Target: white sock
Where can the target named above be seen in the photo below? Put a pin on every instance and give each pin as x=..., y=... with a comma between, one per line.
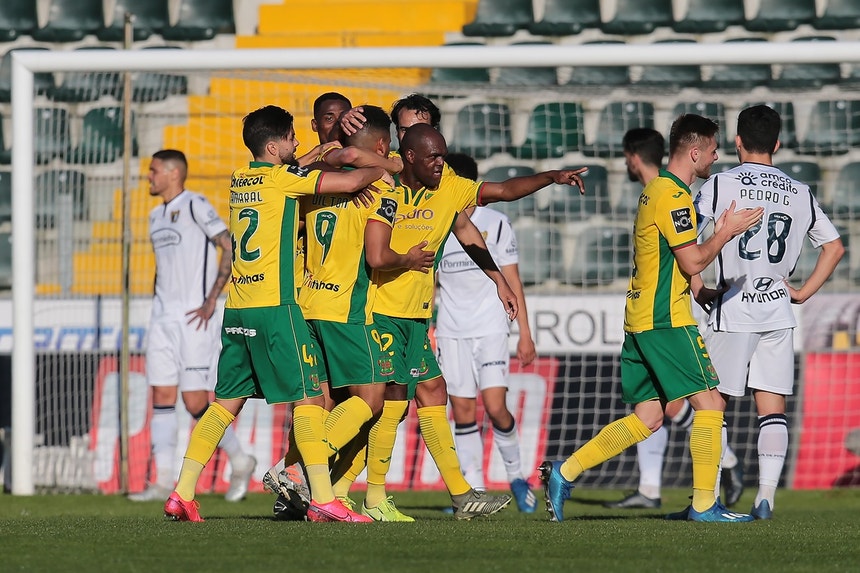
x=684, y=417
x=508, y=444
x=470, y=451
x=230, y=443
x=772, y=446
x=649, y=455
x=724, y=444
x=163, y=431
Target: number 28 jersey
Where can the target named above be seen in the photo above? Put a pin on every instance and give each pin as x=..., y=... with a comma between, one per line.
x=264, y=216
x=755, y=264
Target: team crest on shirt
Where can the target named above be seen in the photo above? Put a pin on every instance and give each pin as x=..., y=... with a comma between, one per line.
x=682, y=219
x=174, y=216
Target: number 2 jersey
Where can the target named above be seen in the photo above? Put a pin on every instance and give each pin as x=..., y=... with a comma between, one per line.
x=264, y=216
x=755, y=264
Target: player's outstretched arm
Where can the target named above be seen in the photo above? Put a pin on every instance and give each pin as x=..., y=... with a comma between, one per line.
x=356, y=157
x=314, y=154
x=830, y=255
x=694, y=258
x=380, y=255
x=475, y=246
x=525, y=344
x=518, y=187
x=349, y=181
x=225, y=267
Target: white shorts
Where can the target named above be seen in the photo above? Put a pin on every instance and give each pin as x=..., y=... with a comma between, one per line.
x=472, y=364
x=177, y=354
x=770, y=356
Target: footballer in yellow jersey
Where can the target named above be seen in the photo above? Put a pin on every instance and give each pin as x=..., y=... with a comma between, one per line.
x=659, y=293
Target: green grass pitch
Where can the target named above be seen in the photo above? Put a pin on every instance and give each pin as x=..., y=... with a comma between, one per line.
x=811, y=531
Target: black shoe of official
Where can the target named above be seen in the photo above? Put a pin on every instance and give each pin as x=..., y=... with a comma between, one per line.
x=732, y=480
x=635, y=501
x=290, y=507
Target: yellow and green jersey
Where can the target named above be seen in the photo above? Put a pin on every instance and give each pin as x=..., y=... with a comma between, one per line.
x=659, y=293
x=264, y=216
x=422, y=215
x=337, y=285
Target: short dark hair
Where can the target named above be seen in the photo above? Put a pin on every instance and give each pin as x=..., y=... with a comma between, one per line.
x=173, y=155
x=416, y=102
x=269, y=123
x=329, y=96
x=463, y=165
x=758, y=128
x=377, y=123
x=689, y=129
x=647, y=143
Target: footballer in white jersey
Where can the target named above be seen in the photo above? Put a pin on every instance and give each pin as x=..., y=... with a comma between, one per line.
x=186, y=260
x=468, y=305
x=762, y=258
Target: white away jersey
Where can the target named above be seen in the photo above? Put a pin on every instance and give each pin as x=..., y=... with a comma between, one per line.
x=186, y=261
x=469, y=306
x=755, y=263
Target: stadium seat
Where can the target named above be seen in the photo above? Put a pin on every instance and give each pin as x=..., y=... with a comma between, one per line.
x=102, y=139
x=17, y=18
x=788, y=133
x=150, y=16
x=460, y=77
x=712, y=110
x=839, y=15
x=482, y=129
x=43, y=82
x=834, y=128
x=52, y=135
x=540, y=252
x=615, y=119
x=599, y=76
x=627, y=204
x=807, y=172
x=201, y=20
x=499, y=18
x=87, y=86
x=567, y=17
x=156, y=86
x=5, y=259
x=5, y=153
x=70, y=21
x=566, y=203
x=671, y=77
x=51, y=184
x=524, y=207
x=781, y=15
x=704, y=16
x=545, y=76
x=739, y=76
x=602, y=254
x=810, y=76
x=554, y=129
x=845, y=203
x=638, y=17
x=5, y=196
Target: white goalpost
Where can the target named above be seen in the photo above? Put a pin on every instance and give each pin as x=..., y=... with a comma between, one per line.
x=561, y=333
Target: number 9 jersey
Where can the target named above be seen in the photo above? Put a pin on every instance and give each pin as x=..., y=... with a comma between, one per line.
x=264, y=216
x=756, y=263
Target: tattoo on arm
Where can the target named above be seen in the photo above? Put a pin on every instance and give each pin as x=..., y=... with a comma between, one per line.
x=225, y=265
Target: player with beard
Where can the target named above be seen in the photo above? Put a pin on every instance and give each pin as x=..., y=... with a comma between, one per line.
x=266, y=350
x=663, y=357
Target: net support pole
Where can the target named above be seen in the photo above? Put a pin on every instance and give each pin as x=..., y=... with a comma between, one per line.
x=23, y=283
x=124, y=357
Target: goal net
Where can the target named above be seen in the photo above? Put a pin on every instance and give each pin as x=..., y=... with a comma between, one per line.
x=515, y=118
